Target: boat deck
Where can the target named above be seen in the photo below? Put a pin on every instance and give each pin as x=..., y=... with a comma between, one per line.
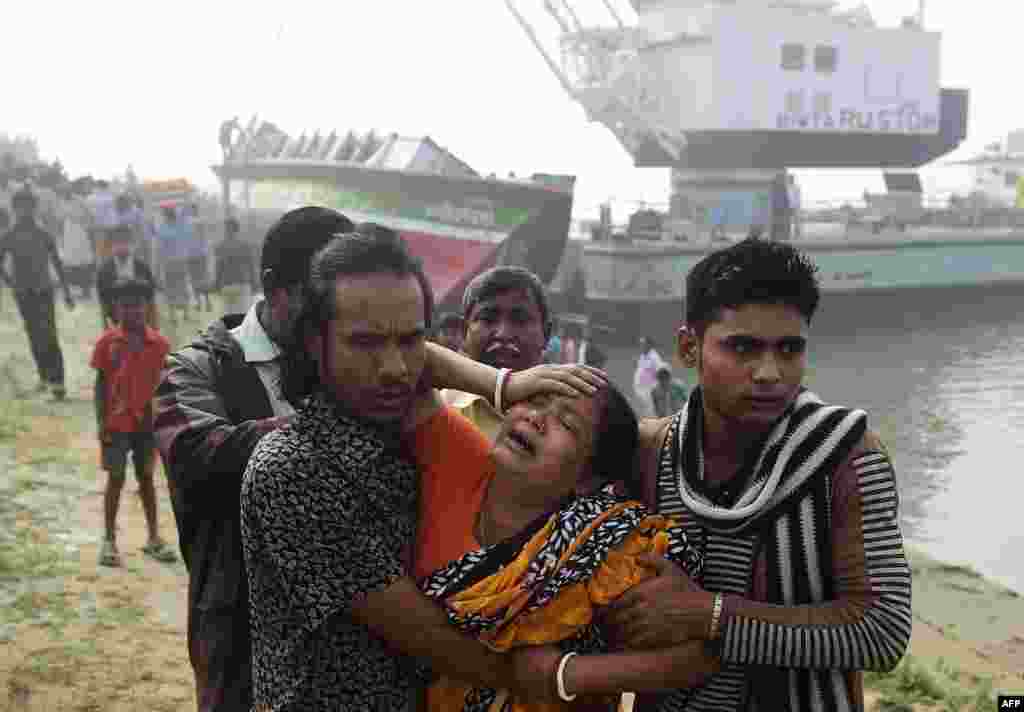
x=821, y=237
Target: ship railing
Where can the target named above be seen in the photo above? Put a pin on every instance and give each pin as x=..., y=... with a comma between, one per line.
x=836, y=218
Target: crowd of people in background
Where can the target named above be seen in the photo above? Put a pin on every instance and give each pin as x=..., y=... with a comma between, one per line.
x=382, y=509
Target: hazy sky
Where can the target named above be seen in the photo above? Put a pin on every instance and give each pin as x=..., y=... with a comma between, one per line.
x=106, y=84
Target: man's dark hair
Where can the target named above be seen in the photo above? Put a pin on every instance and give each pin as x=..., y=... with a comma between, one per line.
x=753, y=271
x=368, y=249
x=499, y=280
x=616, y=438
x=292, y=241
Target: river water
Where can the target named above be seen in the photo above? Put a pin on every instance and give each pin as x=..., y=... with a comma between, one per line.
x=941, y=375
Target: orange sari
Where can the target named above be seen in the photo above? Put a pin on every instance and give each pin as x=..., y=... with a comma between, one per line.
x=544, y=586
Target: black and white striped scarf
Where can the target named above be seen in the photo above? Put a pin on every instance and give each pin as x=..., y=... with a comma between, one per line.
x=781, y=500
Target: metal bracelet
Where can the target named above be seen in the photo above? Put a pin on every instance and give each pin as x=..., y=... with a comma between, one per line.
x=716, y=618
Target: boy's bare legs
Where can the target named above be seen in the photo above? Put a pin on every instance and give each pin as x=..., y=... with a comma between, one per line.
x=109, y=555
x=145, y=467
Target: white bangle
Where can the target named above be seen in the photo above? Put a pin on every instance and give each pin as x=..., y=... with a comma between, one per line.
x=499, y=389
x=560, y=679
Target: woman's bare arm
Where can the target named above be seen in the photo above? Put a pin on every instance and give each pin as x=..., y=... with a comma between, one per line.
x=449, y=369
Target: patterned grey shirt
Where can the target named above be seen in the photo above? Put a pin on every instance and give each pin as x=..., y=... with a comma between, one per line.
x=328, y=516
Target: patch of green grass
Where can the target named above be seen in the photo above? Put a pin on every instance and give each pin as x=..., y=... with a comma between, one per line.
x=942, y=686
x=36, y=608
x=25, y=484
x=11, y=426
x=23, y=557
x=45, y=456
x=120, y=616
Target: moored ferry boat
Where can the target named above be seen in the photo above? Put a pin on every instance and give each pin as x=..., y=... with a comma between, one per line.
x=457, y=221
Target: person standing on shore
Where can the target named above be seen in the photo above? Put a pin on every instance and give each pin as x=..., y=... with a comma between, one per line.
x=128, y=358
x=506, y=326
x=34, y=251
x=217, y=398
x=198, y=260
x=236, y=270
x=122, y=265
x=587, y=352
x=100, y=204
x=75, y=249
x=805, y=582
x=645, y=377
x=174, y=237
x=669, y=396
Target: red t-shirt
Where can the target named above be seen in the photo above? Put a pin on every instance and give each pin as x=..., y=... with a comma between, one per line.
x=131, y=377
x=454, y=460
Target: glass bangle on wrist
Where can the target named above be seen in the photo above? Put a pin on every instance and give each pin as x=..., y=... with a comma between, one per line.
x=560, y=679
x=499, y=389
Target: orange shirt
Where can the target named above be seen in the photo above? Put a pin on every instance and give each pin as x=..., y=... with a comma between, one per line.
x=131, y=377
x=454, y=460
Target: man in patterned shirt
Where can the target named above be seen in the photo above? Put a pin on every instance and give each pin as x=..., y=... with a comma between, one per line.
x=805, y=580
x=329, y=505
x=218, y=397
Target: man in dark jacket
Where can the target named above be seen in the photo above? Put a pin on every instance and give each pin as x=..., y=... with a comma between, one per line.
x=34, y=252
x=218, y=397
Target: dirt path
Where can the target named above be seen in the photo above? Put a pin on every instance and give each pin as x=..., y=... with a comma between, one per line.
x=116, y=640
x=74, y=635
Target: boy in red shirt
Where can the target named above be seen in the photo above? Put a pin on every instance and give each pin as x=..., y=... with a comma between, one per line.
x=128, y=359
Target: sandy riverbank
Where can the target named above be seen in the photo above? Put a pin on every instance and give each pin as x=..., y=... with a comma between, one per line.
x=76, y=636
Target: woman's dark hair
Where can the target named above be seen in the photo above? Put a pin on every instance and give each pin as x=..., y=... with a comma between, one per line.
x=369, y=249
x=616, y=437
x=754, y=271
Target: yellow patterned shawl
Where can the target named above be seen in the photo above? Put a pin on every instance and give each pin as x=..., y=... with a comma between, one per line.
x=543, y=587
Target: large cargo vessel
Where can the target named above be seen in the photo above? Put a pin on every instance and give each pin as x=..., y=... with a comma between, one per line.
x=457, y=221
x=731, y=96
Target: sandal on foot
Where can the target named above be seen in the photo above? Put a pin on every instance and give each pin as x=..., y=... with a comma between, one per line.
x=160, y=552
x=108, y=554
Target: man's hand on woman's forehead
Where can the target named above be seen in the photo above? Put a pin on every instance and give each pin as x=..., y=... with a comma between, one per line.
x=558, y=379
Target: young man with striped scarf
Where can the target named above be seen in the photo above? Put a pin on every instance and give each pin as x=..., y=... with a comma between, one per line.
x=793, y=501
